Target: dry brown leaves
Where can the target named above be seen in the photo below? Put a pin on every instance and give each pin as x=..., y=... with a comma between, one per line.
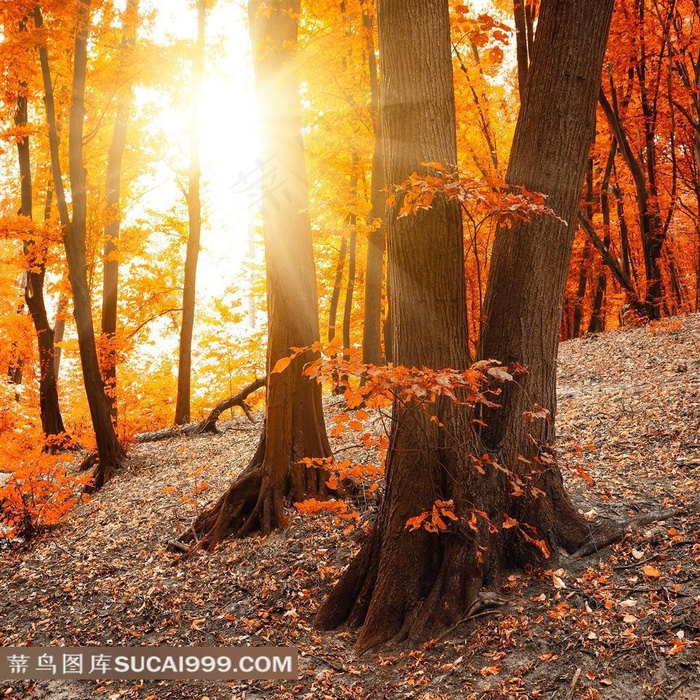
x=628, y=618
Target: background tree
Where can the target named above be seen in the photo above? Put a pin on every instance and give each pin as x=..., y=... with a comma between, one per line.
x=110, y=281
x=194, y=211
x=35, y=247
x=294, y=425
x=409, y=584
x=109, y=452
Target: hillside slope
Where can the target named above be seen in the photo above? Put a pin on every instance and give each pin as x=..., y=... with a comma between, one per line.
x=627, y=617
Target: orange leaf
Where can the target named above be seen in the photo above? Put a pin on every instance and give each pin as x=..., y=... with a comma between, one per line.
x=508, y=522
x=281, y=365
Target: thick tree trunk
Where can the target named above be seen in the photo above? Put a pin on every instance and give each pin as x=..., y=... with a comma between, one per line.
x=194, y=209
x=294, y=427
x=409, y=584
x=395, y=569
x=110, y=452
x=527, y=278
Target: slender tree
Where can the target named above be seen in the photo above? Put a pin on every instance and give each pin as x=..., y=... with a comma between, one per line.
x=194, y=212
x=110, y=283
x=409, y=584
x=109, y=452
x=376, y=240
x=294, y=426
x=51, y=420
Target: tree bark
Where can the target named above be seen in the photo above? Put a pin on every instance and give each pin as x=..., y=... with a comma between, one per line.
x=194, y=209
x=51, y=419
x=586, y=261
x=428, y=317
x=337, y=284
x=110, y=453
x=653, y=236
x=110, y=286
x=294, y=427
x=410, y=584
x=597, y=323
x=376, y=240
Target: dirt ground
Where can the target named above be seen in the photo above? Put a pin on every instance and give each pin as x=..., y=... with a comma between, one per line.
x=619, y=625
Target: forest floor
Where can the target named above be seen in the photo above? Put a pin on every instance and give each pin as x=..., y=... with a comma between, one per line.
x=621, y=624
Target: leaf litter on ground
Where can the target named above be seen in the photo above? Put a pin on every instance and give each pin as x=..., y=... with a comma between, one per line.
x=622, y=623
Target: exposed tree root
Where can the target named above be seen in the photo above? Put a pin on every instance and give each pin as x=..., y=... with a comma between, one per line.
x=208, y=425
x=254, y=502
x=611, y=531
x=414, y=585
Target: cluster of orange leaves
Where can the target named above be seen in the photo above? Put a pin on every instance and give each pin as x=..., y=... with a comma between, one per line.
x=377, y=387
x=38, y=490
x=480, y=199
x=433, y=520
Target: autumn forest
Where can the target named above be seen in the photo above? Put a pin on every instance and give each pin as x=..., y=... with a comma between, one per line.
x=405, y=291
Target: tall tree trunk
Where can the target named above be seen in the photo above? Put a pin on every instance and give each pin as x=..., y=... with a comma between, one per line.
x=410, y=584
x=294, y=426
x=427, y=299
x=376, y=240
x=350, y=289
x=59, y=329
x=597, y=323
x=51, y=420
x=587, y=259
x=653, y=236
x=337, y=284
x=110, y=285
x=109, y=451
x=194, y=210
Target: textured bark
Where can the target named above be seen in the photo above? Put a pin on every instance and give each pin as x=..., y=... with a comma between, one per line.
x=335, y=296
x=653, y=235
x=395, y=569
x=597, y=323
x=586, y=261
x=110, y=286
x=529, y=264
x=410, y=584
x=110, y=452
x=194, y=212
x=376, y=240
x=294, y=426
x=51, y=420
